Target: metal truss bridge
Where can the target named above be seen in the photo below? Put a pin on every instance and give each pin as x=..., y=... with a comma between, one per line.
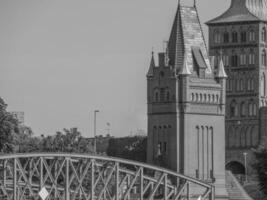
x=55, y=176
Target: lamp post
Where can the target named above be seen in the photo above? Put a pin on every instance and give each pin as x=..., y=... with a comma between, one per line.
x=245, y=160
x=96, y=111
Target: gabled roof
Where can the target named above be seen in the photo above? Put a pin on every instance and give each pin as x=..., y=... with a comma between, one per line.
x=243, y=10
x=186, y=33
x=197, y=54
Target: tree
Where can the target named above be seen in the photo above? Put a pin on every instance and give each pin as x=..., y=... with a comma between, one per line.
x=261, y=167
x=132, y=148
x=8, y=128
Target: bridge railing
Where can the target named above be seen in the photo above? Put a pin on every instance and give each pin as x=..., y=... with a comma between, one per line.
x=89, y=177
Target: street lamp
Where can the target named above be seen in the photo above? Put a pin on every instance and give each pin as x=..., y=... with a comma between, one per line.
x=96, y=111
x=246, y=172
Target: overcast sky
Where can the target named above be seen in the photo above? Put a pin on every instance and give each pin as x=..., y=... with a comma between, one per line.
x=62, y=59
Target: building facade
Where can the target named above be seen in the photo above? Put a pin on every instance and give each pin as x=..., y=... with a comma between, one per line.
x=186, y=105
x=239, y=37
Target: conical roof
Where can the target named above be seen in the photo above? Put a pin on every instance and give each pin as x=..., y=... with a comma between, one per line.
x=152, y=65
x=243, y=10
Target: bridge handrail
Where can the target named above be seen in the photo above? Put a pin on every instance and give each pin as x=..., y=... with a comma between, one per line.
x=110, y=159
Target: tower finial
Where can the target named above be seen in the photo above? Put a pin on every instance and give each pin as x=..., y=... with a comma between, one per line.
x=195, y=3
x=179, y=1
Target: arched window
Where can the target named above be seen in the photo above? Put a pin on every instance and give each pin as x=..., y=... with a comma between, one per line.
x=250, y=109
x=251, y=36
x=226, y=37
x=243, y=59
x=243, y=109
x=233, y=109
x=263, y=57
x=254, y=109
x=263, y=34
x=251, y=58
x=234, y=60
x=193, y=97
x=241, y=85
x=237, y=85
x=156, y=95
x=243, y=36
x=226, y=60
x=162, y=94
x=168, y=95
x=263, y=85
x=252, y=84
x=217, y=37
x=234, y=37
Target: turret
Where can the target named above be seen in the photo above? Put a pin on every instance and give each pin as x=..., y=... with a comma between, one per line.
x=221, y=78
x=150, y=72
x=184, y=76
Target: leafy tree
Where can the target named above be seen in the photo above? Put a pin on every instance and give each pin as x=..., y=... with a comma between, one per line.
x=8, y=128
x=70, y=140
x=261, y=167
x=132, y=148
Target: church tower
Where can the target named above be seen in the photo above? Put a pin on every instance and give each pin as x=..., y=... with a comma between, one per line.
x=186, y=105
x=239, y=36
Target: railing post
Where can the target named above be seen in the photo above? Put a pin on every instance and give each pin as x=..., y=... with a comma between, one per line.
x=41, y=172
x=92, y=180
x=5, y=168
x=117, y=181
x=141, y=183
x=212, y=193
x=67, y=192
x=188, y=191
x=165, y=187
x=15, y=179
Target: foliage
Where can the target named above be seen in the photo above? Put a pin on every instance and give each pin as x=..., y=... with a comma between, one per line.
x=8, y=129
x=261, y=167
x=70, y=140
x=133, y=148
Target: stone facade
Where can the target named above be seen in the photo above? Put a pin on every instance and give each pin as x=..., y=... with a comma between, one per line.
x=239, y=37
x=186, y=105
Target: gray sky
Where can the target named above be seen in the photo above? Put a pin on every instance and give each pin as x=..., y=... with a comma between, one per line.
x=61, y=59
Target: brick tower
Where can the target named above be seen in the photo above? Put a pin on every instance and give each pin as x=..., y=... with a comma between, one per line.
x=186, y=105
x=239, y=35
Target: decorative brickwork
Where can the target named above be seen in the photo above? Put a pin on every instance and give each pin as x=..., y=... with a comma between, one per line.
x=186, y=105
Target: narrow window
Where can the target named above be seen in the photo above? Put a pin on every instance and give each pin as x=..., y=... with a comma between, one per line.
x=234, y=37
x=263, y=85
x=251, y=36
x=243, y=109
x=162, y=94
x=263, y=34
x=263, y=57
x=226, y=37
x=243, y=36
x=156, y=96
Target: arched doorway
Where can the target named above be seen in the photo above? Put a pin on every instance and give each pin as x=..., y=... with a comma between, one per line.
x=236, y=168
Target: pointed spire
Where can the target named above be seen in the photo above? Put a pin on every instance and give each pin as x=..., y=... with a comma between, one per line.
x=185, y=70
x=195, y=3
x=152, y=65
x=221, y=71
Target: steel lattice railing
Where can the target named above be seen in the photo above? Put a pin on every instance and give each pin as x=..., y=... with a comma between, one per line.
x=88, y=177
